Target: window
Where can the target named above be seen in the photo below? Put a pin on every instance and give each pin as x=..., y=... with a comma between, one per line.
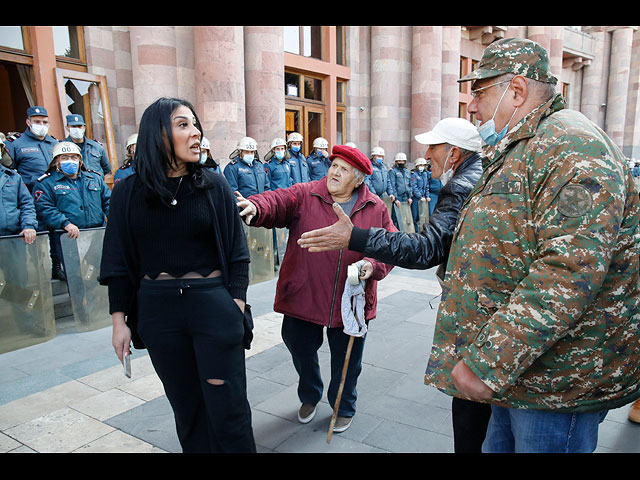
x=68, y=43
x=306, y=41
x=12, y=37
x=304, y=87
x=467, y=65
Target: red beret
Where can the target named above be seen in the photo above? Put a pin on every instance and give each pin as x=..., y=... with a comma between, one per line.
x=352, y=156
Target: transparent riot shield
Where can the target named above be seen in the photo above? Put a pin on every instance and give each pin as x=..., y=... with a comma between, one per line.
x=26, y=300
x=282, y=236
x=405, y=217
x=388, y=203
x=260, y=242
x=89, y=299
x=423, y=215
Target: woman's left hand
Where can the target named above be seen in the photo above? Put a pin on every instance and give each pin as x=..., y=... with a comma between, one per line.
x=240, y=304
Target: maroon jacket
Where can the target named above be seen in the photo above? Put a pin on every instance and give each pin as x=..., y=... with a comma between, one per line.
x=310, y=285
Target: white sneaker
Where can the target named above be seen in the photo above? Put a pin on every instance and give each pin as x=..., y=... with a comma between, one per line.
x=306, y=412
x=342, y=423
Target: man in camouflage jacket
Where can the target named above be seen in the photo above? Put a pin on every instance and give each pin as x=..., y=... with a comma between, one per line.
x=540, y=306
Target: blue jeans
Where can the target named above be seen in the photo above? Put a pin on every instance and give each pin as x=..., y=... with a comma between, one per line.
x=303, y=339
x=513, y=430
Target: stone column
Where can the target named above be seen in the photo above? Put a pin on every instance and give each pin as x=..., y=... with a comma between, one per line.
x=632, y=130
x=618, y=83
x=550, y=38
x=426, y=95
x=264, y=77
x=154, y=60
x=390, y=90
x=220, y=86
x=451, y=38
x=594, y=86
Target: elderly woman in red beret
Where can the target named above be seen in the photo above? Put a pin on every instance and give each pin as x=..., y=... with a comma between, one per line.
x=310, y=285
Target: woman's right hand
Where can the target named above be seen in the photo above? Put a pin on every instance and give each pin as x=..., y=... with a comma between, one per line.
x=121, y=336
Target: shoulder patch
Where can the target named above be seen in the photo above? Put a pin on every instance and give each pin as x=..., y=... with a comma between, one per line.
x=574, y=200
x=42, y=177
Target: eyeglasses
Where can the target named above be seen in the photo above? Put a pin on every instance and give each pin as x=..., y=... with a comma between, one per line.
x=474, y=93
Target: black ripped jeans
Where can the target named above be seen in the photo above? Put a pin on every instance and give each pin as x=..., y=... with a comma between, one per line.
x=193, y=331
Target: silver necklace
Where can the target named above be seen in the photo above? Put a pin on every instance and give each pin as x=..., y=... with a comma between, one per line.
x=173, y=200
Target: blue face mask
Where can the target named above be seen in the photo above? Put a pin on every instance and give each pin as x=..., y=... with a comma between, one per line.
x=379, y=160
x=295, y=149
x=487, y=130
x=279, y=155
x=70, y=167
x=248, y=159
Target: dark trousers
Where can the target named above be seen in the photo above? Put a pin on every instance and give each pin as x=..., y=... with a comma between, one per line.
x=193, y=331
x=470, y=421
x=303, y=339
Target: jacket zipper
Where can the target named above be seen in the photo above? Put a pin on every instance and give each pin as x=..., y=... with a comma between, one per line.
x=335, y=283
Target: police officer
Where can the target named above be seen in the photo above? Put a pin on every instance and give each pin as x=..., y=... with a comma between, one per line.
x=378, y=182
x=246, y=173
x=31, y=151
x=127, y=166
x=399, y=184
x=93, y=154
x=17, y=212
x=419, y=189
x=298, y=162
x=318, y=160
x=69, y=197
x=206, y=159
x=278, y=166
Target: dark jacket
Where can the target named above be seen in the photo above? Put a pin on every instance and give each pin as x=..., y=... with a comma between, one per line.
x=17, y=211
x=310, y=285
x=120, y=259
x=431, y=246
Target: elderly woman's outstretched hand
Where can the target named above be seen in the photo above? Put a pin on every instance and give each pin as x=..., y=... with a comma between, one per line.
x=249, y=210
x=333, y=237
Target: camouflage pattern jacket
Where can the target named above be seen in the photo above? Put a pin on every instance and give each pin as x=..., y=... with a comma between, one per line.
x=541, y=292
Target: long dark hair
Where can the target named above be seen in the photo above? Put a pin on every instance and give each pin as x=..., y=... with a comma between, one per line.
x=152, y=159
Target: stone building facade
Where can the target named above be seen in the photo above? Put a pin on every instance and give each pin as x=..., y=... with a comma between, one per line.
x=371, y=85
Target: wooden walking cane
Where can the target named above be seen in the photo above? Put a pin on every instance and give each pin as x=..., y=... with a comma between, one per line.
x=336, y=406
x=345, y=368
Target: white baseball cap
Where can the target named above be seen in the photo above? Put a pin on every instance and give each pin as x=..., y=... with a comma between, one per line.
x=454, y=131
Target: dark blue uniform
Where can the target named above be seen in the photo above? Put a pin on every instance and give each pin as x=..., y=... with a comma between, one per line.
x=247, y=179
x=400, y=183
x=31, y=156
x=434, y=188
x=279, y=173
x=318, y=166
x=299, y=167
x=60, y=200
x=17, y=211
x=378, y=181
x=419, y=190
x=123, y=172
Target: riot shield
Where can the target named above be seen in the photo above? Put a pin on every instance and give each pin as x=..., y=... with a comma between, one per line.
x=260, y=242
x=405, y=217
x=423, y=215
x=89, y=299
x=26, y=300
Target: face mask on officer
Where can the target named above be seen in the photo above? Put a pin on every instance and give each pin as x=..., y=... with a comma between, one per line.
x=421, y=168
x=247, y=158
x=279, y=154
x=77, y=133
x=69, y=167
x=295, y=148
x=378, y=160
x=39, y=130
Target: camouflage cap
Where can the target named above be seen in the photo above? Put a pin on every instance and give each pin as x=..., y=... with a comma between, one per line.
x=519, y=56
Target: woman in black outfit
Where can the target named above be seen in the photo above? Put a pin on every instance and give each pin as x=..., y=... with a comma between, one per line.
x=176, y=263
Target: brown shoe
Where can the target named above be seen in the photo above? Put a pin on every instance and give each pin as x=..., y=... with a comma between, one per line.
x=634, y=413
x=342, y=423
x=306, y=413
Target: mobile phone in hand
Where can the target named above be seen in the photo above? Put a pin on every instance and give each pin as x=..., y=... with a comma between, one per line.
x=127, y=365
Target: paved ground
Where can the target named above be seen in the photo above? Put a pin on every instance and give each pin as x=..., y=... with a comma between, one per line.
x=69, y=394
